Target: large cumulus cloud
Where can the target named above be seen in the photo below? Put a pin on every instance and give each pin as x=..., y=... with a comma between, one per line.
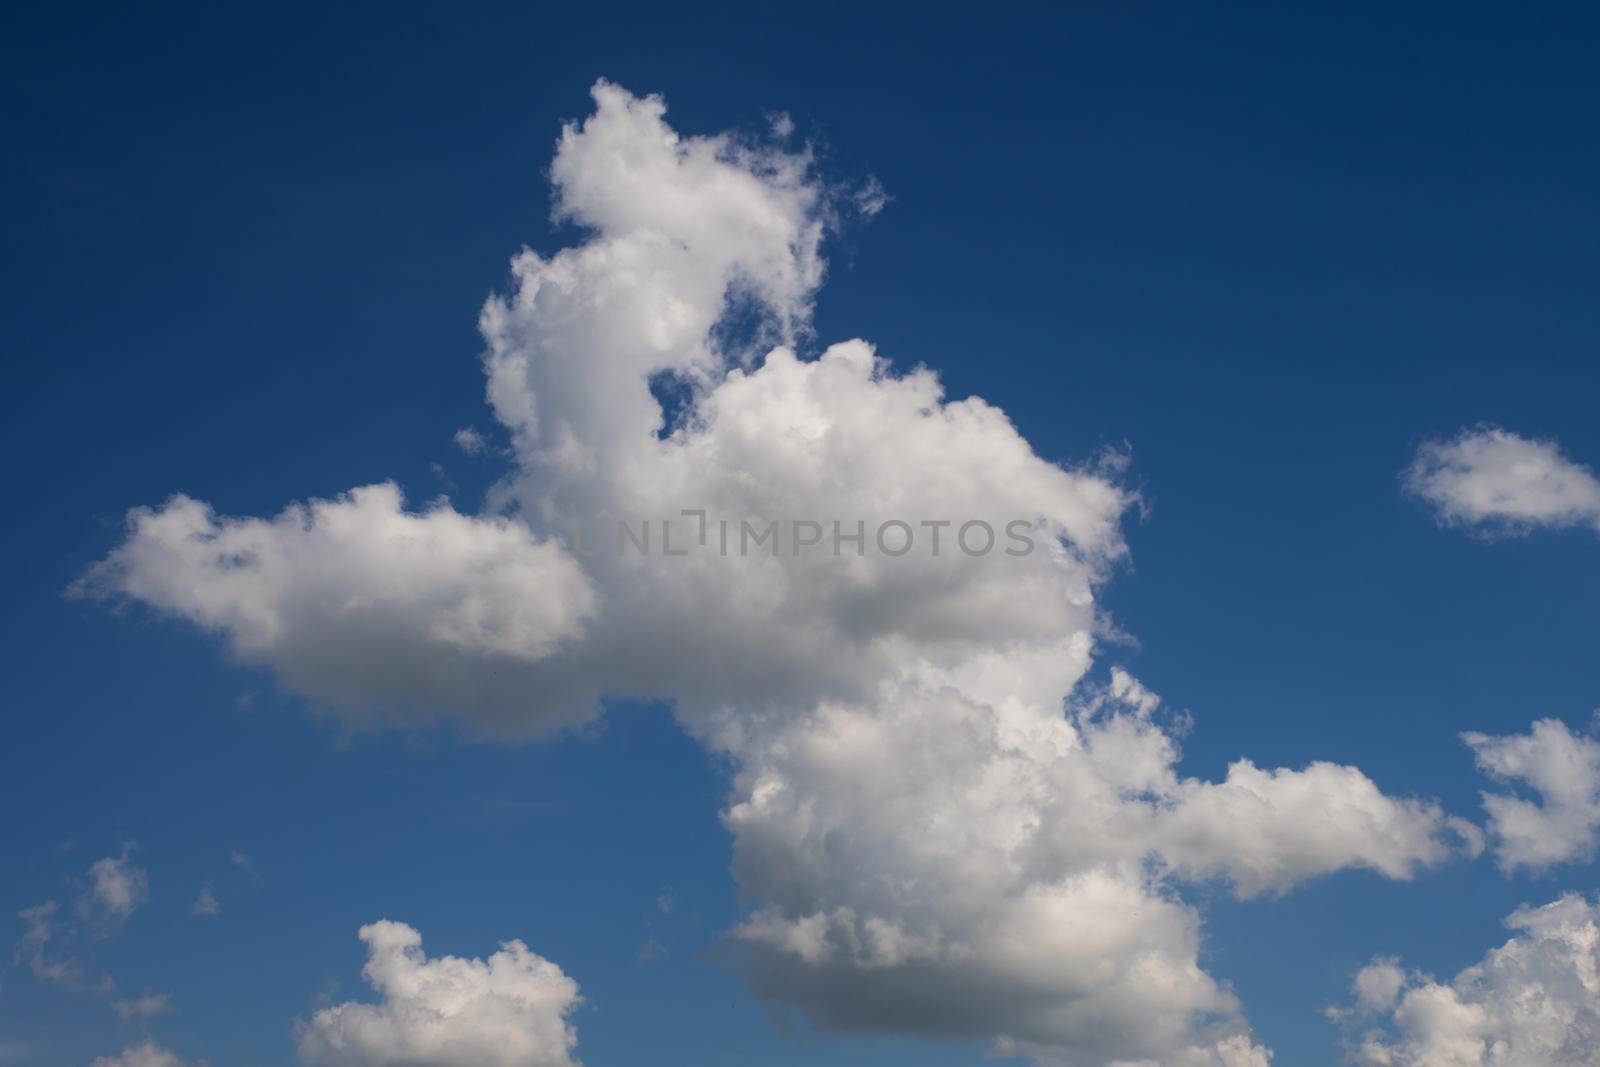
x=941, y=824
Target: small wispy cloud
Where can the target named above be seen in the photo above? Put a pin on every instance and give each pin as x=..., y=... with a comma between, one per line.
x=146, y=1006
x=470, y=441
x=40, y=949
x=147, y=1054
x=206, y=905
x=245, y=864
x=1497, y=483
x=117, y=889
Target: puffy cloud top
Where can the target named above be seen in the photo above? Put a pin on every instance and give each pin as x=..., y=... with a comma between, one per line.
x=510, y=1010
x=1532, y=1002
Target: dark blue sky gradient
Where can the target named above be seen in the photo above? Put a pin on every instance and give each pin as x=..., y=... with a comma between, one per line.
x=1267, y=251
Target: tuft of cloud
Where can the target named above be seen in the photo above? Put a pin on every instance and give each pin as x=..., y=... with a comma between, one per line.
x=510, y=1010
x=470, y=441
x=206, y=905
x=245, y=864
x=1563, y=769
x=870, y=198
x=39, y=930
x=41, y=949
x=1378, y=985
x=1532, y=1002
x=38, y=927
x=147, y=1054
x=1494, y=482
x=146, y=1006
x=117, y=888
x=780, y=125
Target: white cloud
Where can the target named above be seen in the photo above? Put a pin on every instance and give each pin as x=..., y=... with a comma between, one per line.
x=930, y=842
x=147, y=1054
x=470, y=441
x=38, y=927
x=380, y=611
x=43, y=948
x=940, y=865
x=1266, y=831
x=871, y=198
x=1532, y=1002
x=117, y=888
x=510, y=1010
x=1563, y=768
x=146, y=1006
x=1378, y=985
x=781, y=124
x=206, y=905
x=39, y=930
x=1494, y=481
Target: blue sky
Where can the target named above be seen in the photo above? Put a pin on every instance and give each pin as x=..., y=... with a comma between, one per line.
x=1268, y=255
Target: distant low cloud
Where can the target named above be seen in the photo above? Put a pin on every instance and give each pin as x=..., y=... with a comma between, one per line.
x=1495, y=482
x=145, y=1055
x=510, y=1010
x=1532, y=1002
x=1563, y=768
